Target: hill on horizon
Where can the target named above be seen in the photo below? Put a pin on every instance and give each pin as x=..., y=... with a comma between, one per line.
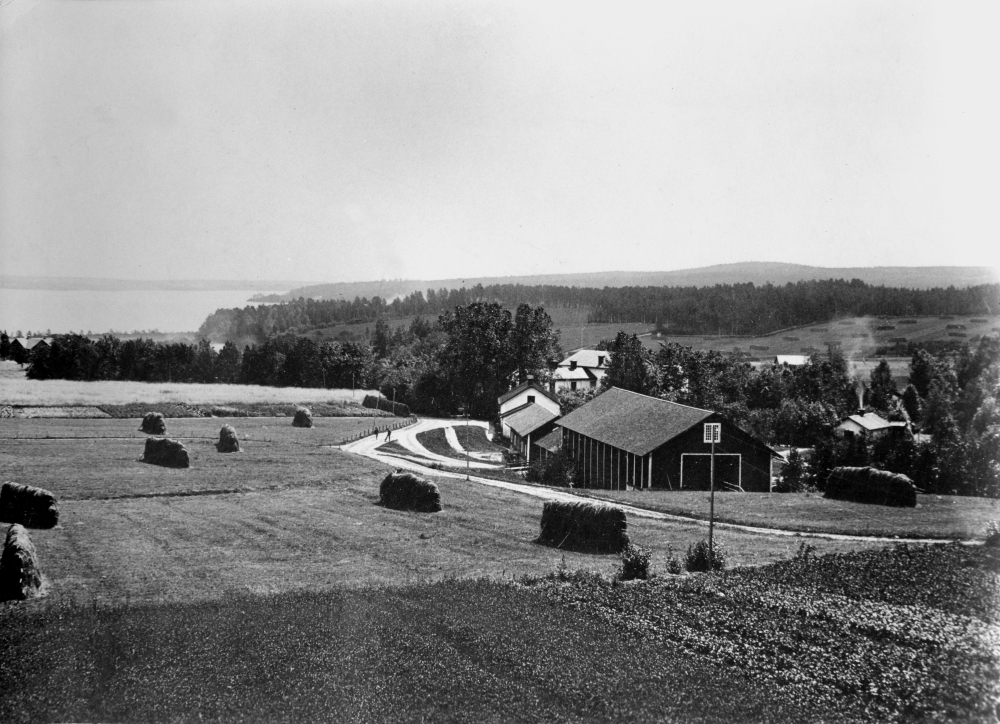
x=737, y=273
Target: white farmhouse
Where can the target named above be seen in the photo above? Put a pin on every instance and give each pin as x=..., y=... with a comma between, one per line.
x=523, y=396
x=582, y=370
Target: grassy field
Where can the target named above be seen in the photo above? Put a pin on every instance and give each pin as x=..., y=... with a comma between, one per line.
x=435, y=441
x=853, y=334
x=473, y=438
x=15, y=389
x=936, y=516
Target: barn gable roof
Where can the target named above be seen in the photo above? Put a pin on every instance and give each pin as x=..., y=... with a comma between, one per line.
x=552, y=441
x=632, y=422
x=526, y=421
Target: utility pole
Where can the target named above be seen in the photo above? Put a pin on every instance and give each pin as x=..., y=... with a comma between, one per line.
x=466, y=439
x=713, y=434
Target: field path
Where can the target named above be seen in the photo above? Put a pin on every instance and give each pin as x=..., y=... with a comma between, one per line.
x=407, y=437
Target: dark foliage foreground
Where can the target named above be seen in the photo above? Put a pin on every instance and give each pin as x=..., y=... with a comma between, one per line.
x=869, y=485
x=898, y=635
x=405, y=491
x=584, y=527
x=903, y=635
x=29, y=506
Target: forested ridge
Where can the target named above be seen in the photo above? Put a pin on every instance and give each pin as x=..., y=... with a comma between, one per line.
x=735, y=309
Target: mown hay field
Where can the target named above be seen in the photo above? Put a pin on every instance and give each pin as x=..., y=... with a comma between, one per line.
x=936, y=516
x=285, y=514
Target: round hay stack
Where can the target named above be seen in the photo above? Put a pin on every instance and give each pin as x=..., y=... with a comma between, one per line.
x=165, y=452
x=405, y=491
x=153, y=424
x=303, y=418
x=228, y=442
x=28, y=506
x=20, y=576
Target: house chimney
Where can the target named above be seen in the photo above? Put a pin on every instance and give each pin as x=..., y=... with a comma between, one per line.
x=530, y=378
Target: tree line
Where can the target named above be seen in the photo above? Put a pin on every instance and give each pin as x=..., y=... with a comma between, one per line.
x=737, y=309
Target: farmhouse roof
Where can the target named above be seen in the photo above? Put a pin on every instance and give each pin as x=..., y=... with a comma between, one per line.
x=552, y=441
x=580, y=373
x=632, y=422
x=526, y=421
x=532, y=384
x=587, y=358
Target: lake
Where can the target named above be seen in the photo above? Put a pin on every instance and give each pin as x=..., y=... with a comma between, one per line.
x=102, y=311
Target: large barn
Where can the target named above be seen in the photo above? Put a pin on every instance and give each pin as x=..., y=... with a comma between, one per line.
x=624, y=439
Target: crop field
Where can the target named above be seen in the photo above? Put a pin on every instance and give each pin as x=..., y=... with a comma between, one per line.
x=855, y=335
x=936, y=516
x=15, y=389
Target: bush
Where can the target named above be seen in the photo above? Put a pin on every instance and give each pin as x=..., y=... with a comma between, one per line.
x=557, y=469
x=28, y=506
x=869, y=485
x=697, y=558
x=993, y=534
x=635, y=563
x=673, y=563
x=153, y=424
x=405, y=491
x=584, y=527
x=20, y=577
x=165, y=452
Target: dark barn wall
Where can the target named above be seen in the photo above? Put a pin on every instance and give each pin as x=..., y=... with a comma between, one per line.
x=755, y=458
x=605, y=466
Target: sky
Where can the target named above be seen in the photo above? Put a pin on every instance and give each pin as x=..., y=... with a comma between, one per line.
x=349, y=141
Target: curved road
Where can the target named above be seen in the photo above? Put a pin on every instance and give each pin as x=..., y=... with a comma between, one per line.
x=407, y=437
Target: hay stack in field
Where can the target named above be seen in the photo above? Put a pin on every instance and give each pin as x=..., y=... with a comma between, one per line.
x=405, y=491
x=153, y=424
x=28, y=506
x=870, y=485
x=20, y=576
x=166, y=452
x=584, y=527
x=228, y=442
x=303, y=418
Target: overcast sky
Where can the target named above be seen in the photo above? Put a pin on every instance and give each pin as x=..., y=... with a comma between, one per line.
x=365, y=140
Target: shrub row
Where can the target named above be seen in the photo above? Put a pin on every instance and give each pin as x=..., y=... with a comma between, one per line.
x=380, y=403
x=584, y=527
x=28, y=506
x=869, y=485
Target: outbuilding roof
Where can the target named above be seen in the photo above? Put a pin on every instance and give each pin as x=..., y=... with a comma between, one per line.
x=526, y=421
x=632, y=422
x=871, y=422
x=552, y=441
x=791, y=359
x=33, y=342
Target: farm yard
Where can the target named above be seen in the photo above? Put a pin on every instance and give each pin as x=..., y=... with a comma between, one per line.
x=270, y=585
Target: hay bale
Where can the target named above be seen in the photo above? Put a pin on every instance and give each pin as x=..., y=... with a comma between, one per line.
x=153, y=424
x=870, y=485
x=584, y=527
x=303, y=417
x=28, y=506
x=20, y=576
x=166, y=452
x=228, y=442
x=405, y=491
